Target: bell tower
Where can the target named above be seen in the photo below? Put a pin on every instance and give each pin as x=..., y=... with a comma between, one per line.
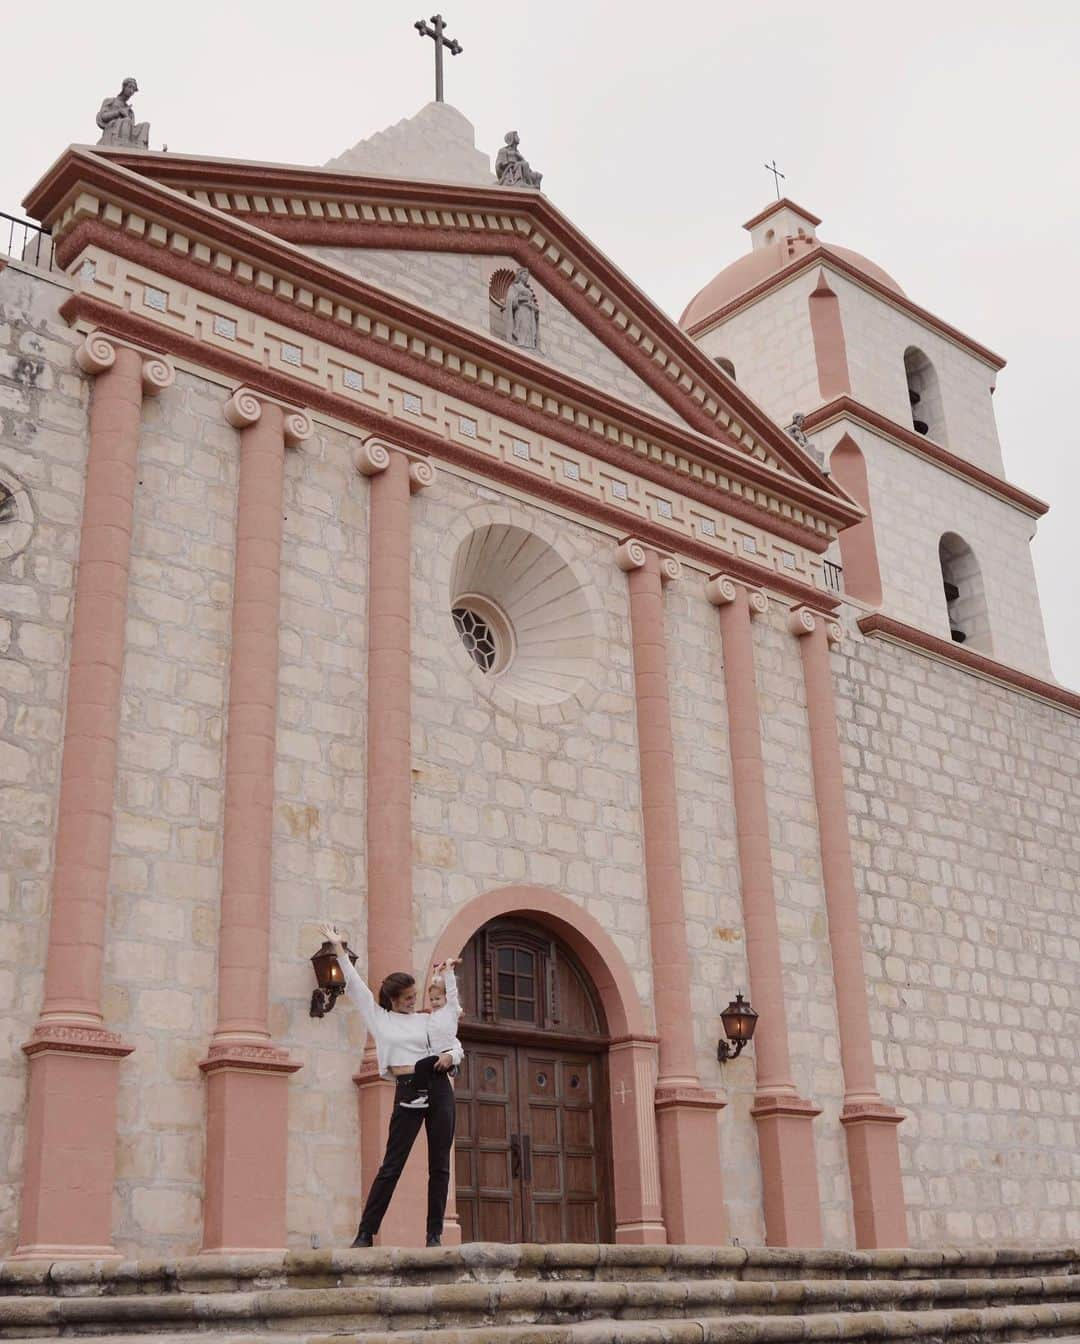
x=899, y=403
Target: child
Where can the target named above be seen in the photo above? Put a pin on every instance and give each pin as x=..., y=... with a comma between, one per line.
x=444, y=1010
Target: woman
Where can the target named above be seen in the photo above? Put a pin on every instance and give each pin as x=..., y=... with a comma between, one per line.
x=401, y=1040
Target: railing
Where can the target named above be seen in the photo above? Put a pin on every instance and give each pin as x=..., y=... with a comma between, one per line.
x=834, y=576
x=26, y=241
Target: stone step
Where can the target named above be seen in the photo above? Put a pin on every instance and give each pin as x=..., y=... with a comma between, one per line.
x=514, y=1304
x=480, y=1262
x=1032, y=1324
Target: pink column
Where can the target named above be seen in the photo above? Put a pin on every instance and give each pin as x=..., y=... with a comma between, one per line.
x=246, y=1075
x=877, y=1192
x=394, y=477
x=71, y=1112
x=784, y=1119
x=690, y=1177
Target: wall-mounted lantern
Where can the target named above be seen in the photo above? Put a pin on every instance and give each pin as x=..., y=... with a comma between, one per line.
x=329, y=977
x=739, y=1021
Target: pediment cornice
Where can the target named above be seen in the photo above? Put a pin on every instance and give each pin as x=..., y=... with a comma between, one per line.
x=91, y=196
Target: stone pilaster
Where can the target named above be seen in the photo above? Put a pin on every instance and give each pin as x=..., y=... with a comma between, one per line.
x=246, y=1075
x=394, y=478
x=877, y=1191
x=690, y=1176
x=73, y=1058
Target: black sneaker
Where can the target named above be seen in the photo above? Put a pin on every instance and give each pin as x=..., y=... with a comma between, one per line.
x=363, y=1239
x=434, y=1240
x=418, y=1103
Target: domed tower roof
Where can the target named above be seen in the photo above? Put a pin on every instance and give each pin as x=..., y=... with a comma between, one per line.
x=780, y=235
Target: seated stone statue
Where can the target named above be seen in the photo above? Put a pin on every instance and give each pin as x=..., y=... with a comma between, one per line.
x=117, y=121
x=512, y=167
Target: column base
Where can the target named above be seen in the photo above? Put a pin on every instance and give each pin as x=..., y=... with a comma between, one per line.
x=691, y=1186
x=789, y=1178
x=877, y=1187
x=640, y=1234
x=70, y=1166
x=247, y=1135
x=405, y=1223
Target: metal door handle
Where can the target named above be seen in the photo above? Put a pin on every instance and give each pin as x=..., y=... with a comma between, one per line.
x=515, y=1157
x=526, y=1152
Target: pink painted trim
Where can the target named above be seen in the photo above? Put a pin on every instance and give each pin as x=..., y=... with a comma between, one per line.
x=88, y=772
x=791, y=1197
x=873, y=1158
x=660, y=826
x=244, y=938
x=585, y=937
x=906, y=437
x=821, y=253
x=389, y=723
x=415, y=439
x=830, y=348
x=763, y=954
x=885, y=627
x=774, y=207
x=116, y=172
x=841, y=898
x=803, y=487
x=858, y=549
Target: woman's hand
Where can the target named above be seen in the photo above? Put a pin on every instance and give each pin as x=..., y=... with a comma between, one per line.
x=445, y=1062
x=332, y=935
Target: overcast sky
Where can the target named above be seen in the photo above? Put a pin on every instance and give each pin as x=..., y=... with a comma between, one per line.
x=936, y=138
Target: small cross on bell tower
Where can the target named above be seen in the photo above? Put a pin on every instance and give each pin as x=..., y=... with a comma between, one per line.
x=436, y=32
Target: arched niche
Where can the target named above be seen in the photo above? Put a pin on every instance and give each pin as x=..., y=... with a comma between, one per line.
x=924, y=394
x=965, y=594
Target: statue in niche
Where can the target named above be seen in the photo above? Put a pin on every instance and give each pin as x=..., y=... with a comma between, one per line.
x=522, y=312
x=117, y=121
x=512, y=167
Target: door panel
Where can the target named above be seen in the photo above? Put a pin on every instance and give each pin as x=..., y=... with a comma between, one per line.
x=562, y=1193
x=488, y=1196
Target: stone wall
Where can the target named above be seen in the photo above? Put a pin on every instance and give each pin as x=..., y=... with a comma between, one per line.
x=965, y=798
x=772, y=347
x=963, y=802
x=43, y=404
x=877, y=336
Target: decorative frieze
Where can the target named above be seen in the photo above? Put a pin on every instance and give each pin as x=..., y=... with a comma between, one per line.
x=369, y=385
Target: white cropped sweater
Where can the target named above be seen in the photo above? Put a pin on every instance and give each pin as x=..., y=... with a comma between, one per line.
x=400, y=1038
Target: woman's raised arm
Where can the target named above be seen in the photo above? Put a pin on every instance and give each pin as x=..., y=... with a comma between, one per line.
x=355, y=988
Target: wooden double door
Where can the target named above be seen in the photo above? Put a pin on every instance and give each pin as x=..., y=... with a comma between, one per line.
x=532, y=1151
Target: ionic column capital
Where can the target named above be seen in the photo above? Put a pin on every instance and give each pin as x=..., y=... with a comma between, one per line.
x=373, y=456
x=97, y=355
x=804, y=620
x=722, y=589
x=633, y=554
x=244, y=408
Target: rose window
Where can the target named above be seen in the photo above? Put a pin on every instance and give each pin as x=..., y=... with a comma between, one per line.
x=477, y=636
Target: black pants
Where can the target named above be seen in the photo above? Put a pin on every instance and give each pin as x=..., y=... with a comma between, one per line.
x=409, y=1088
x=404, y=1127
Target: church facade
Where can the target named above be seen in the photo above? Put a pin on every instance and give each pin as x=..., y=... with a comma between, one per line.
x=372, y=550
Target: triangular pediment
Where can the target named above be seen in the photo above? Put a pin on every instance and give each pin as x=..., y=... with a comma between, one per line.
x=257, y=236
x=318, y=208
x=469, y=289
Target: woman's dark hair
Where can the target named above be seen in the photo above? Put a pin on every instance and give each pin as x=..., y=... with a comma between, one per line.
x=396, y=983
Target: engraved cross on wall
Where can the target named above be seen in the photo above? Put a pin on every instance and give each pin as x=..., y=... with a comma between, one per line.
x=435, y=31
